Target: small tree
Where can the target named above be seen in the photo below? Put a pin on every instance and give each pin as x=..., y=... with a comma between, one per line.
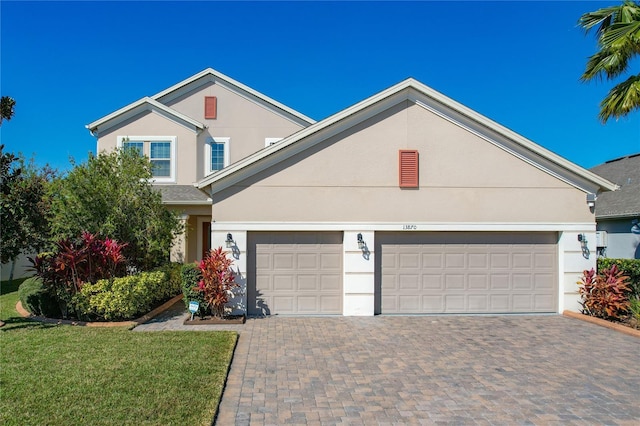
x=24, y=207
x=111, y=195
x=217, y=282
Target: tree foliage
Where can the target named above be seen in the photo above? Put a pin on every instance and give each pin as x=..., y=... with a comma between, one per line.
x=24, y=206
x=618, y=36
x=111, y=196
x=7, y=105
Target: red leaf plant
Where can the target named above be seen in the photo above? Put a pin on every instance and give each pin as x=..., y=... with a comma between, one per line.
x=73, y=263
x=217, y=284
x=605, y=294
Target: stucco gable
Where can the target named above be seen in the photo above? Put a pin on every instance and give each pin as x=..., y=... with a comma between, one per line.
x=146, y=104
x=418, y=94
x=160, y=102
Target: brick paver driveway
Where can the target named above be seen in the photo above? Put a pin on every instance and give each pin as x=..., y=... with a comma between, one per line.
x=426, y=370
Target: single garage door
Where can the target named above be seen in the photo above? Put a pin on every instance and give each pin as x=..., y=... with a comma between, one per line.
x=466, y=272
x=294, y=273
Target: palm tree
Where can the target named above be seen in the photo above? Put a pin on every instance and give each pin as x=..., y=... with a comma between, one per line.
x=618, y=33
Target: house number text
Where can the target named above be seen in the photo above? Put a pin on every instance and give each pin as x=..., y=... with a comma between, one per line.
x=409, y=227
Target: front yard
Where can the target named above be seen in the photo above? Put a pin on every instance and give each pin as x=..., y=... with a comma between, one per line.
x=60, y=375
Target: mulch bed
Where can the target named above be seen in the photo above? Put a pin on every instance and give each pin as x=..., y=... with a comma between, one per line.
x=229, y=319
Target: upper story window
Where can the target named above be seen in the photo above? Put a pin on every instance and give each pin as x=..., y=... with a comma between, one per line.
x=216, y=154
x=160, y=150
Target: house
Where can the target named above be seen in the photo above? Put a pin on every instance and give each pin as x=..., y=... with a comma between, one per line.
x=405, y=203
x=618, y=213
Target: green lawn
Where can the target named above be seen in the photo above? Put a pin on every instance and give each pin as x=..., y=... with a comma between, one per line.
x=67, y=375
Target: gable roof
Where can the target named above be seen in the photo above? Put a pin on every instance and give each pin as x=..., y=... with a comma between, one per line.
x=625, y=171
x=138, y=107
x=159, y=100
x=429, y=99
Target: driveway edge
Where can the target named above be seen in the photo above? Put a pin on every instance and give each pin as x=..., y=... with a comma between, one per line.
x=603, y=323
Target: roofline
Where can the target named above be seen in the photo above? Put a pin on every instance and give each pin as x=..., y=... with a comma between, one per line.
x=408, y=84
x=218, y=75
x=188, y=203
x=140, y=102
x=617, y=215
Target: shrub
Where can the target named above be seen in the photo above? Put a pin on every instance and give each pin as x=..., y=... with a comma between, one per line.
x=173, y=271
x=634, y=308
x=605, y=294
x=125, y=297
x=36, y=298
x=76, y=262
x=217, y=284
x=190, y=276
x=630, y=268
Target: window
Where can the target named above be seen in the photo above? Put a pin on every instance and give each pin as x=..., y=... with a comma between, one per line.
x=408, y=168
x=216, y=154
x=161, y=151
x=271, y=141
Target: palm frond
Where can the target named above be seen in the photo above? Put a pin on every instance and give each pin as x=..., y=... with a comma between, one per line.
x=621, y=100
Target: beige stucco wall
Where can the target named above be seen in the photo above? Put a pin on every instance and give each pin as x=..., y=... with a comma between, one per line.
x=152, y=124
x=246, y=122
x=353, y=177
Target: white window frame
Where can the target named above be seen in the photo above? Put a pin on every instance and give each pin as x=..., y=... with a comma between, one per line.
x=207, y=152
x=271, y=141
x=147, y=152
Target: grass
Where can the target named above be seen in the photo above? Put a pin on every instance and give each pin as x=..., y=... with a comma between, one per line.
x=64, y=375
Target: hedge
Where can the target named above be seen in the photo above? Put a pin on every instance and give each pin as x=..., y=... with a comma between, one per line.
x=126, y=297
x=37, y=299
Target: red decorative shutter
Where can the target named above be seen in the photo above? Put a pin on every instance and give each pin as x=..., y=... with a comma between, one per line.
x=408, y=170
x=210, y=107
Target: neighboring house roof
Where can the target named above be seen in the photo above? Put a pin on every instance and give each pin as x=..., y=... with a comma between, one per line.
x=183, y=194
x=140, y=106
x=625, y=171
x=157, y=101
x=429, y=99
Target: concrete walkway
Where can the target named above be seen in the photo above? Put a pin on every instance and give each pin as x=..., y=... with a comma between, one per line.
x=429, y=370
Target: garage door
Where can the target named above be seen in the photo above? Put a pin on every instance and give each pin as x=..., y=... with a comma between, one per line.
x=466, y=272
x=296, y=273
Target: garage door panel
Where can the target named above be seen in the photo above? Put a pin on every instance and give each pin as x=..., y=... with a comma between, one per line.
x=454, y=282
x=432, y=282
x=499, y=303
x=294, y=273
x=307, y=261
x=408, y=282
x=283, y=261
x=477, y=272
x=478, y=282
x=331, y=261
x=454, y=303
x=454, y=260
x=478, y=303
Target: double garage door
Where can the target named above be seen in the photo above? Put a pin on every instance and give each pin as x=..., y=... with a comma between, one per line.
x=301, y=273
x=466, y=272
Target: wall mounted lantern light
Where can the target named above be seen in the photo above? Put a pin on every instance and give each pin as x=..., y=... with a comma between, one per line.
x=229, y=240
x=584, y=245
x=361, y=244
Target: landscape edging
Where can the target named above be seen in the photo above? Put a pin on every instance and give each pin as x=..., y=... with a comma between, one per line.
x=603, y=323
x=26, y=314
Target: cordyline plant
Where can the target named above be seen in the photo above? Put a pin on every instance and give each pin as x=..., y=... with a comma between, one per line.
x=605, y=294
x=74, y=263
x=217, y=284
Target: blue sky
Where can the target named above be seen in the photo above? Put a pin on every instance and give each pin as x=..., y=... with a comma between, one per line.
x=518, y=63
